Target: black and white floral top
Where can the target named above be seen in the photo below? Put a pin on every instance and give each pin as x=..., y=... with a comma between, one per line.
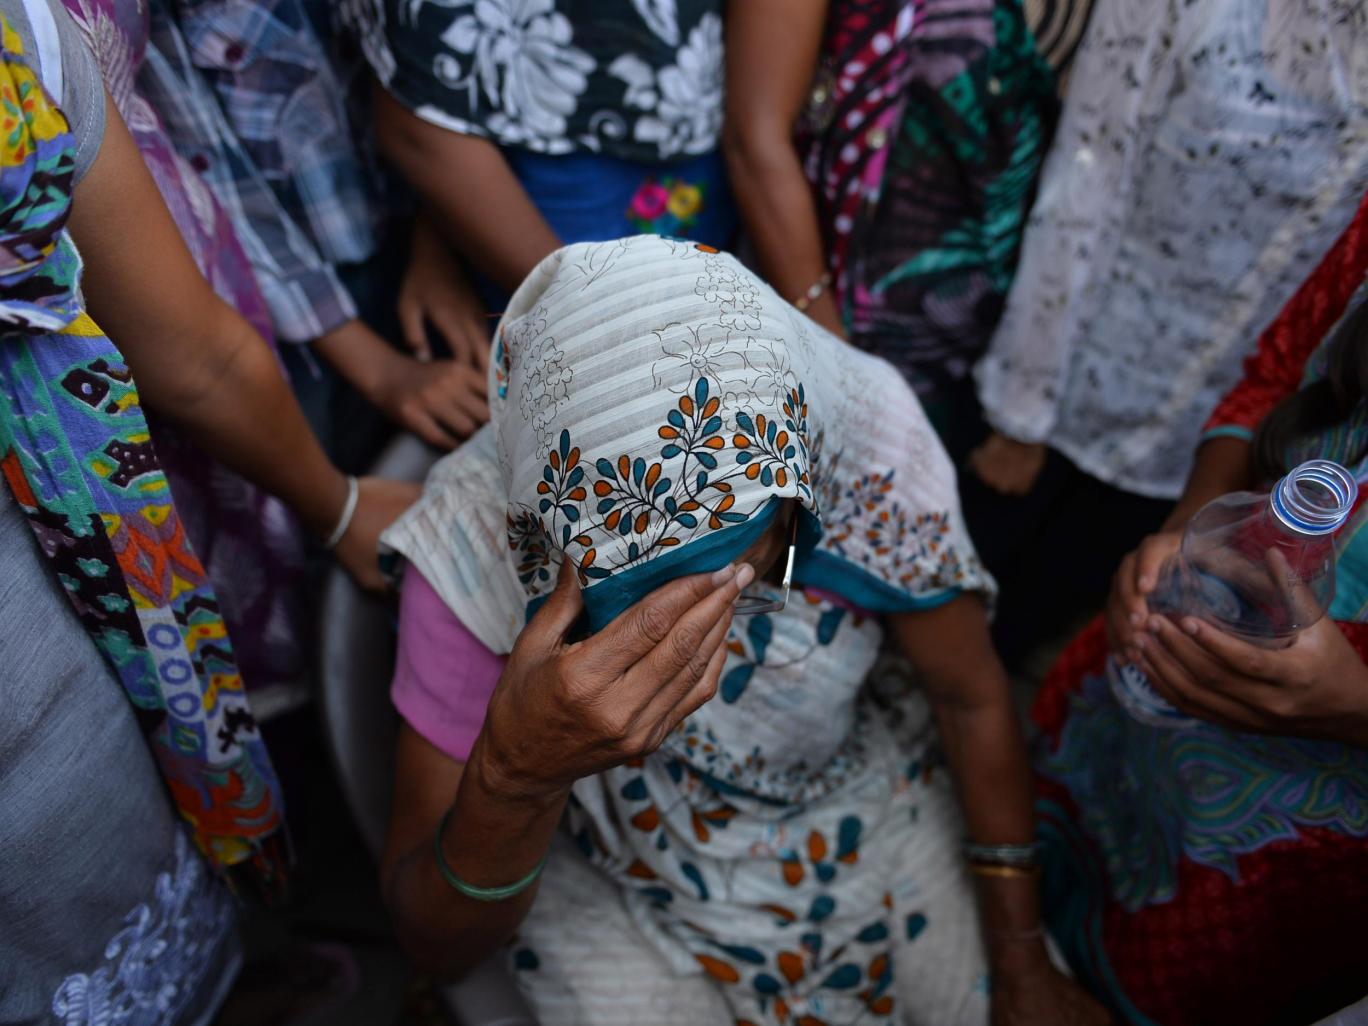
x=638, y=79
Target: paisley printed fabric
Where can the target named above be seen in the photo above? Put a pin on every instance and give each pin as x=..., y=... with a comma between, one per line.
x=1151, y=797
x=76, y=452
x=637, y=79
x=1203, y=879
x=657, y=404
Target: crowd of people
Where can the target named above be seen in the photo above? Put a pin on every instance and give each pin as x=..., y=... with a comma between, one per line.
x=710, y=613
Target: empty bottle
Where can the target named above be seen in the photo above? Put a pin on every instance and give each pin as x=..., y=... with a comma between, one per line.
x=1258, y=566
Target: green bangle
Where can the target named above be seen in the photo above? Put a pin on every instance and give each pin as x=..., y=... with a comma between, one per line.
x=470, y=890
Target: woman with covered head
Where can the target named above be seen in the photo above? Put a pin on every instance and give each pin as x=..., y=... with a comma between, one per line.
x=689, y=528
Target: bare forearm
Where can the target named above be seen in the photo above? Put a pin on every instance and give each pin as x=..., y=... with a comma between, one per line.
x=358, y=354
x=491, y=839
x=971, y=697
x=196, y=361
x=780, y=215
x=250, y=437
x=987, y=758
x=1222, y=465
x=465, y=182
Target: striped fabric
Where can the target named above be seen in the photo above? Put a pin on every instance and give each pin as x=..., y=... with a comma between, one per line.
x=1058, y=27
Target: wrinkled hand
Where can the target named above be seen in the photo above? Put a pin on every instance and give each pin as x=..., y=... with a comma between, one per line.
x=436, y=291
x=378, y=504
x=1135, y=579
x=442, y=401
x=1316, y=687
x=1040, y=995
x=1006, y=465
x=563, y=711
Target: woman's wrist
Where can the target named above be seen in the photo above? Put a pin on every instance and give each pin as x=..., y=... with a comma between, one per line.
x=324, y=511
x=494, y=773
x=1016, y=953
x=359, y=355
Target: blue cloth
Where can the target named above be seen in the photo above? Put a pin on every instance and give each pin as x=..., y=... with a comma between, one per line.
x=586, y=197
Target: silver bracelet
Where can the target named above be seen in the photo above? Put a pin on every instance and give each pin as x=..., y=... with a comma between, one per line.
x=348, y=511
x=1023, y=855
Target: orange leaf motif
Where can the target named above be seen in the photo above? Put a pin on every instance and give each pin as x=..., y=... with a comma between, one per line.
x=817, y=846
x=700, y=829
x=791, y=966
x=718, y=969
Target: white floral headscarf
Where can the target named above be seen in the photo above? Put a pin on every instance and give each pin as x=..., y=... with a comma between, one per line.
x=651, y=402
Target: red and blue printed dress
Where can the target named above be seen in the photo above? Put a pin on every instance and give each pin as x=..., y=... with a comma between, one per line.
x=1205, y=877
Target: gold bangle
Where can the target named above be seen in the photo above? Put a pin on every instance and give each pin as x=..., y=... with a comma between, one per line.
x=1016, y=872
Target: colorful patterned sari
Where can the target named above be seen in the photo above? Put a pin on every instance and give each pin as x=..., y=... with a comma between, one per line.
x=1205, y=877
x=76, y=453
x=924, y=137
x=249, y=542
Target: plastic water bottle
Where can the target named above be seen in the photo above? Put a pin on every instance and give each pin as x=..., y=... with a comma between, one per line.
x=1258, y=566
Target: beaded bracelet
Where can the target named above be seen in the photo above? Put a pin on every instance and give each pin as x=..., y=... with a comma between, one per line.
x=814, y=290
x=470, y=890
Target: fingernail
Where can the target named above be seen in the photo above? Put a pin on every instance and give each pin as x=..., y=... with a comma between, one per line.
x=745, y=573
x=1140, y=643
x=1135, y=619
x=1156, y=623
x=721, y=577
x=1190, y=625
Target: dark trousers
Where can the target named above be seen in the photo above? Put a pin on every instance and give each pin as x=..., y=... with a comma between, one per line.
x=1054, y=550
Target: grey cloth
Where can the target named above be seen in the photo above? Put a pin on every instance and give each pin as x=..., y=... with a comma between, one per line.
x=82, y=94
x=108, y=915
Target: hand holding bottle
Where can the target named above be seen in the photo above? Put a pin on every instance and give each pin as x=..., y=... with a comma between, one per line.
x=1315, y=687
x=1260, y=566
x=1136, y=578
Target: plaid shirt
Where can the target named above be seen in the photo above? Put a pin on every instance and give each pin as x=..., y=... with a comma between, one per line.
x=248, y=97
